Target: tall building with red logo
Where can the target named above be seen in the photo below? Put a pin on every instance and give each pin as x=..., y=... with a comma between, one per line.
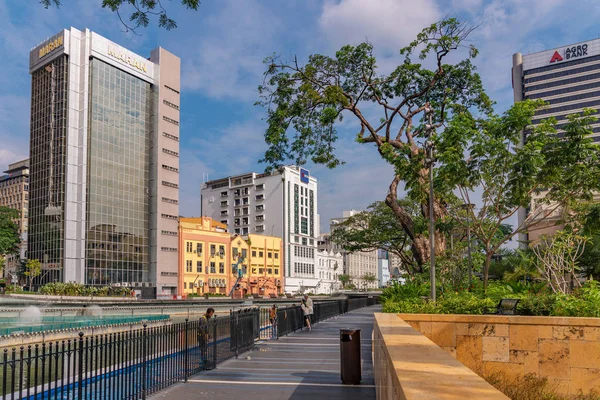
x=568, y=80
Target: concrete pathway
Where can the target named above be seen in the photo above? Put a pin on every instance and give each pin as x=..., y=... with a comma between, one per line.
x=302, y=365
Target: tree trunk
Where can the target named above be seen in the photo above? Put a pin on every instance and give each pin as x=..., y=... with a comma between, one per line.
x=420, y=243
x=486, y=269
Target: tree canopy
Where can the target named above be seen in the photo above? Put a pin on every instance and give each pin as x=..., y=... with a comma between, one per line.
x=140, y=11
x=378, y=228
x=305, y=103
x=487, y=154
x=9, y=231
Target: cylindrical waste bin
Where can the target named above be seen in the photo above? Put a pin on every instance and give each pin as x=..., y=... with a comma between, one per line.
x=350, y=356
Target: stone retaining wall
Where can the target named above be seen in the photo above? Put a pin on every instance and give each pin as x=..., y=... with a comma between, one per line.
x=409, y=366
x=566, y=350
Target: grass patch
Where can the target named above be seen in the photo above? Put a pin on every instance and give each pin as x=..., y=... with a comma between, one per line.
x=533, y=387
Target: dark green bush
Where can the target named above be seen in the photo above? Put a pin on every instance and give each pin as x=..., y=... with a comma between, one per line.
x=534, y=300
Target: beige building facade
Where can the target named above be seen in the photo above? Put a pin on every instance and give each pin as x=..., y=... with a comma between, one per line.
x=14, y=193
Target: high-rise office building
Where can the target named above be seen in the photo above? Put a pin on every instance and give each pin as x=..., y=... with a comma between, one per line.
x=568, y=79
x=14, y=193
x=104, y=162
x=282, y=204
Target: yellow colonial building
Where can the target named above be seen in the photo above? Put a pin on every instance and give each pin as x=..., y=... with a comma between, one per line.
x=261, y=267
x=265, y=274
x=204, y=256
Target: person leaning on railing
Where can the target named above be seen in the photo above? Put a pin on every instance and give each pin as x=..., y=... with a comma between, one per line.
x=203, y=330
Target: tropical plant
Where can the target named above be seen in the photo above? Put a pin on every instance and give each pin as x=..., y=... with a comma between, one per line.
x=557, y=259
x=33, y=269
x=486, y=153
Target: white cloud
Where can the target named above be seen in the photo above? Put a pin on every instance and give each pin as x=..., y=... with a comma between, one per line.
x=8, y=157
x=224, y=59
x=388, y=24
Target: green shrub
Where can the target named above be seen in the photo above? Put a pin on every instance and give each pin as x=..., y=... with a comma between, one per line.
x=410, y=290
x=410, y=306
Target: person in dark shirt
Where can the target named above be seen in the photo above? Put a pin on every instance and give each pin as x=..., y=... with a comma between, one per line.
x=203, y=332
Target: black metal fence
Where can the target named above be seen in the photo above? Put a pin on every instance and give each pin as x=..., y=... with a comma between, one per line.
x=123, y=365
x=133, y=364
x=291, y=319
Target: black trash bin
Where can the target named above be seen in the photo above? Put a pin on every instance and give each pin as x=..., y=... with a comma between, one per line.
x=350, y=356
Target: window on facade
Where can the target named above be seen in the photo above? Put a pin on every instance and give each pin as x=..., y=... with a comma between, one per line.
x=261, y=271
x=213, y=249
x=188, y=247
x=244, y=253
x=221, y=268
x=237, y=230
x=213, y=270
x=304, y=242
x=269, y=255
x=244, y=231
x=222, y=251
x=304, y=226
x=234, y=252
x=185, y=285
x=253, y=253
x=260, y=254
x=188, y=266
x=276, y=271
x=198, y=266
x=276, y=255
x=199, y=248
x=254, y=271
x=270, y=271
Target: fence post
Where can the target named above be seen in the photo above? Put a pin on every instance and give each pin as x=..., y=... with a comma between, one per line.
x=185, y=370
x=144, y=360
x=215, y=345
x=80, y=369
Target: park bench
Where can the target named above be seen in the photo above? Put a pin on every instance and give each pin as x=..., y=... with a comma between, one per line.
x=504, y=307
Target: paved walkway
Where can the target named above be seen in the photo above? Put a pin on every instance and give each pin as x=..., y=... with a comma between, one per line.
x=303, y=365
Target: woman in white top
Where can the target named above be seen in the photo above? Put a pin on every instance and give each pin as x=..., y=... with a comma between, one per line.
x=306, y=312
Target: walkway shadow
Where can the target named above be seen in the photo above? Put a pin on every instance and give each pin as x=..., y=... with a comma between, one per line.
x=328, y=385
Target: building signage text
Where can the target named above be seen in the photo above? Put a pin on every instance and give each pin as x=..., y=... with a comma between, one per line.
x=570, y=53
x=120, y=55
x=304, y=175
x=50, y=46
x=165, y=273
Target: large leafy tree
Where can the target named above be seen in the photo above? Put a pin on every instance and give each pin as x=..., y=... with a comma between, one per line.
x=9, y=233
x=485, y=154
x=304, y=103
x=134, y=14
x=378, y=228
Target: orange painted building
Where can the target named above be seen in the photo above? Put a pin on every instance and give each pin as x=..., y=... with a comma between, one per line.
x=204, y=257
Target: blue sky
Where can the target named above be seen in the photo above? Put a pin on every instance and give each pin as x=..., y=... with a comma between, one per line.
x=222, y=47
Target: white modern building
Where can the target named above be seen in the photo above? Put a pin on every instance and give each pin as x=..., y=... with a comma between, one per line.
x=282, y=203
x=567, y=78
x=359, y=263
x=104, y=163
x=329, y=265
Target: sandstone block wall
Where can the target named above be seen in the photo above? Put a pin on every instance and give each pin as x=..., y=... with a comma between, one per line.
x=566, y=350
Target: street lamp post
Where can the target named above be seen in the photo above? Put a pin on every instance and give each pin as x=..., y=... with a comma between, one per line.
x=429, y=131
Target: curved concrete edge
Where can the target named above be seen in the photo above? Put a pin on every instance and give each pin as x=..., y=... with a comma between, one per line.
x=409, y=366
x=503, y=319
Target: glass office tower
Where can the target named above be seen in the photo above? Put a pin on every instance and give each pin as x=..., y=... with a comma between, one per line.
x=104, y=163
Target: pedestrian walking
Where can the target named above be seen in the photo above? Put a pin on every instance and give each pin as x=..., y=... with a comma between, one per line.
x=306, y=312
x=273, y=321
x=309, y=304
x=203, y=332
